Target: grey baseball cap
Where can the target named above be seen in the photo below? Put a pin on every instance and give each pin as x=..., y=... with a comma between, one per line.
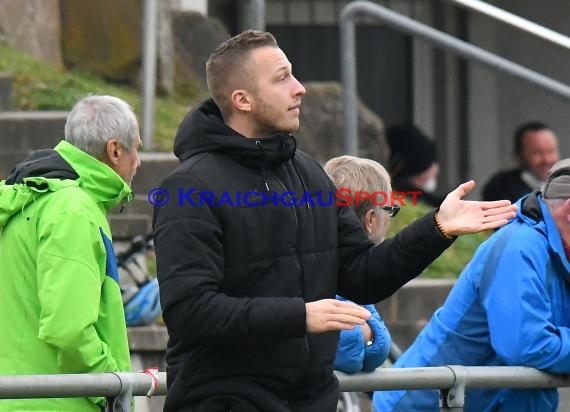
x=557, y=185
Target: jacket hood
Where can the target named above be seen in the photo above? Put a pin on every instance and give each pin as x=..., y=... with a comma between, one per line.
x=53, y=169
x=47, y=163
x=203, y=130
x=45, y=170
x=95, y=177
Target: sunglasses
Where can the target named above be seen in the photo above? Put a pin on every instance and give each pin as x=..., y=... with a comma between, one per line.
x=392, y=210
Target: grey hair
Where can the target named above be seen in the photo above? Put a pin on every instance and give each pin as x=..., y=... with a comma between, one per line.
x=359, y=174
x=95, y=119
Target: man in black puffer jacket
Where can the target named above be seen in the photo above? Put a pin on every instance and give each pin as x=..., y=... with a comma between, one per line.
x=252, y=247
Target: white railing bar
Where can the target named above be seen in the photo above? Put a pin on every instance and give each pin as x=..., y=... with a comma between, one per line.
x=515, y=21
x=442, y=377
x=77, y=385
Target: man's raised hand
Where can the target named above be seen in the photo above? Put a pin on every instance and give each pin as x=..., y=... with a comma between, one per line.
x=459, y=217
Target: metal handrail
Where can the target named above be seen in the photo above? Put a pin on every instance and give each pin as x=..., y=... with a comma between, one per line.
x=410, y=26
x=252, y=14
x=76, y=385
x=449, y=379
x=119, y=386
x=515, y=21
x=444, y=377
x=149, y=46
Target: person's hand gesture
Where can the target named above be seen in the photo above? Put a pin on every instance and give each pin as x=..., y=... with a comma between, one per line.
x=459, y=217
x=330, y=314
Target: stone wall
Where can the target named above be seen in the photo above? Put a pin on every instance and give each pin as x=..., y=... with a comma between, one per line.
x=103, y=37
x=32, y=27
x=24, y=132
x=321, y=131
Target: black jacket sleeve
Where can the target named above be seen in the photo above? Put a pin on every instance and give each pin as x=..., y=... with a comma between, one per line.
x=371, y=274
x=190, y=265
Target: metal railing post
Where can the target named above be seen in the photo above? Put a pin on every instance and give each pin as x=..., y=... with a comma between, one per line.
x=252, y=14
x=349, y=84
x=453, y=399
x=414, y=28
x=149, y=32
x=122, y=401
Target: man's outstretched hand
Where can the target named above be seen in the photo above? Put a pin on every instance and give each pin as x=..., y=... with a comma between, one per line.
x=460, y=217
x=330, y=314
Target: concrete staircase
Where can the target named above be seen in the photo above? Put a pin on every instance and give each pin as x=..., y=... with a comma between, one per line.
x=136, y=217
x=23, y=132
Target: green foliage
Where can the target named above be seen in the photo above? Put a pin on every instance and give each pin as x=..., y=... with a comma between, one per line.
x=453, y=260
x=40, y=86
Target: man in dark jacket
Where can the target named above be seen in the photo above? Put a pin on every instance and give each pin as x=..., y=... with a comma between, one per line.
x=414, y=163
x=252, y=246
x=536, y=151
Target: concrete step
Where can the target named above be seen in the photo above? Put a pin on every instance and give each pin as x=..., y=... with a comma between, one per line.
x=148, y=338
x=5, y=91
x=27, y=131
x=404, y=333
x=138, y=206
x=155, y=166
x=417, y=300
x=125, y=227
x=9, y=159
x=410, y=308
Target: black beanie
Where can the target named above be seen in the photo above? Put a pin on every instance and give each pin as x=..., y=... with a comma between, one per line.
x=411, y=151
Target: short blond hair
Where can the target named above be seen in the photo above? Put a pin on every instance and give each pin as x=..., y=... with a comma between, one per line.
x=227, y=69
x=359, y=175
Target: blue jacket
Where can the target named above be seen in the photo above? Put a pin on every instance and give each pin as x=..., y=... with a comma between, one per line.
x=510, y=306
x=354, y=355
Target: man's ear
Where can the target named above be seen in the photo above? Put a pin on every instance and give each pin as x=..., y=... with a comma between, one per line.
x=241, y=100
x=113, y=151
x=368, y=221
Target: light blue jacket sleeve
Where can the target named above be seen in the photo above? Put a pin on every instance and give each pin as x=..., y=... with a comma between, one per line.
x=518, y=307
x=350, y=353
x=353, y=355
x=376, y=353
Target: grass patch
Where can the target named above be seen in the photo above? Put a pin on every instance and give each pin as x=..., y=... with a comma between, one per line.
x=37, y=85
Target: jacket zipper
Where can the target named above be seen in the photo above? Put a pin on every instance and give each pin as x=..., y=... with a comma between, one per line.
x=301, y=273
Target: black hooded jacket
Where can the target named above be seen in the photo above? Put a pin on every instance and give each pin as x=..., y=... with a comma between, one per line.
x=234, y=278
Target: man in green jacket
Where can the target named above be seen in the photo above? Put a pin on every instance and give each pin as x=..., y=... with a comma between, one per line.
x=61, y=303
